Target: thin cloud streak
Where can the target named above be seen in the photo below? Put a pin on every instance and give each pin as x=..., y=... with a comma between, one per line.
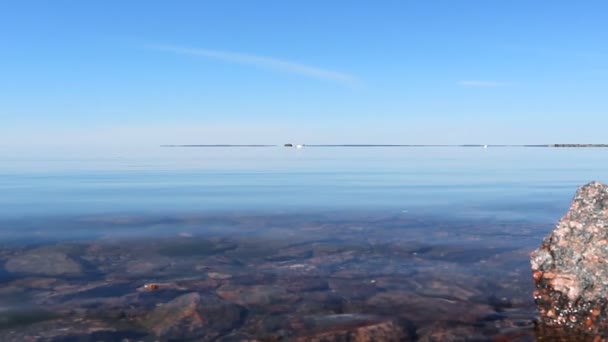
x=267, y=63
x=487, y=84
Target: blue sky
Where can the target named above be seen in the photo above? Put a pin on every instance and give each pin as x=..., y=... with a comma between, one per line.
x=97, y=73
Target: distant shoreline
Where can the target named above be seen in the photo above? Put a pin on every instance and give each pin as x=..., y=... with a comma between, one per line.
x=218, y=145
x=390, y=145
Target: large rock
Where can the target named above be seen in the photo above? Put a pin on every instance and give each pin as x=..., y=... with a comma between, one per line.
x=570, y=269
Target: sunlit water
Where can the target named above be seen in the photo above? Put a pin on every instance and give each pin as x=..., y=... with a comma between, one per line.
x=450, y=227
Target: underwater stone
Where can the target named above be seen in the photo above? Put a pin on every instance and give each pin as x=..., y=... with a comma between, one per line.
x=570, y=268
x=350, y=327
x=43, y=262
x=194, y=316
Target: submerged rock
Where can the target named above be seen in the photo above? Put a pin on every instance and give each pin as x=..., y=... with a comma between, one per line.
x=66, y=329
x=266, y=297
x=350, y=327
x=194, y=315
x=43, y=262
x=570, y=269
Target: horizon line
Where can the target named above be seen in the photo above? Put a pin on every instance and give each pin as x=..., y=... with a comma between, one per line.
x=387, y=145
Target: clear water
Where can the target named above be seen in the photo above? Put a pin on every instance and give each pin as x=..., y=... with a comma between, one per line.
x=470, y=212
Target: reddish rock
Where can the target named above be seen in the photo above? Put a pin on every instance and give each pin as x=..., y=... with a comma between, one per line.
x=445, y=332
x=570, y=269
x=193, y=316
x=350, y=327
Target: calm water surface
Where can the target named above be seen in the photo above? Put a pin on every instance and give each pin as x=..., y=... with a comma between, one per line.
x=432, y=241
x=496, y=182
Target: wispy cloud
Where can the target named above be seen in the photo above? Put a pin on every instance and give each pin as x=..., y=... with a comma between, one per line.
x=267, y=63
x=487, y=84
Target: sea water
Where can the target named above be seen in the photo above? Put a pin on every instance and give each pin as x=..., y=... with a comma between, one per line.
x=429, y=230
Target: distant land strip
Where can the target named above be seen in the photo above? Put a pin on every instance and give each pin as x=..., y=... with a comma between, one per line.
x=218, y=145
x=578, y=145
x=389, y=145
x=462, y=145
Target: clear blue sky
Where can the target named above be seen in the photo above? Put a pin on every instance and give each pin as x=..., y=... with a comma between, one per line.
x=153, y=72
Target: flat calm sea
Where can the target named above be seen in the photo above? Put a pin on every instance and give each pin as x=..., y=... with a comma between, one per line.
x=423, y=243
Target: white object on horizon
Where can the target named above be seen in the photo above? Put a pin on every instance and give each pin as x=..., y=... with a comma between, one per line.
x=485, y=146
x=299, y=145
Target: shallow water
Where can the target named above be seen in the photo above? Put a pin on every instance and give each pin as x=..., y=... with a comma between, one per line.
x=405, y=243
